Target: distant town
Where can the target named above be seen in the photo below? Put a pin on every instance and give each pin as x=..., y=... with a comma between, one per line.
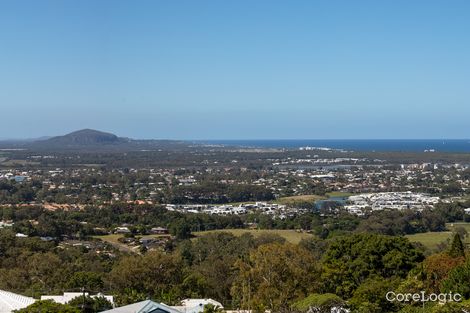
x=90, y=222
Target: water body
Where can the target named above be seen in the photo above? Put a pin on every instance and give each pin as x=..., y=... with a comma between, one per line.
x=402, y=145
x=336, y=200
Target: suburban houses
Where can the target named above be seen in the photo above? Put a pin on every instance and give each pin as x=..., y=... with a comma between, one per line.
x=10, y=302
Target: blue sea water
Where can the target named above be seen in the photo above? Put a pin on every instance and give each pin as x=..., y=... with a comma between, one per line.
x=403, y=145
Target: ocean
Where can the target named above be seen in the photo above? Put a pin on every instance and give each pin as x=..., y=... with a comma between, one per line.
x=402, y=145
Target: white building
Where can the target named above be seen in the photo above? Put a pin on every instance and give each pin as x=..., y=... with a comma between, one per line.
x=10, y=301
x=67, y=296
x=196, y=305
x=390, y=200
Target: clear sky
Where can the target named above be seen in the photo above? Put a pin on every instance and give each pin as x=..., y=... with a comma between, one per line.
x=241, y=69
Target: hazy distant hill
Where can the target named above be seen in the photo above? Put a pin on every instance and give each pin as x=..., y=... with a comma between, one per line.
x=84, y=137
x=90, y=140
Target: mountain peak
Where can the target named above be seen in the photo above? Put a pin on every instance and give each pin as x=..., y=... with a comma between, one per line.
x=84, y=137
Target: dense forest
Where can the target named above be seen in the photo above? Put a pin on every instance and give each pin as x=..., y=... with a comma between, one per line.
x=245, y=272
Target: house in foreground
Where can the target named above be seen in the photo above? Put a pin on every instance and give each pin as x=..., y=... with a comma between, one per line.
x=68, y=296
x=10, y=301
x=147, y=306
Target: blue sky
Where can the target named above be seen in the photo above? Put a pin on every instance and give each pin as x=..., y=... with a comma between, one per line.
x=236, y=69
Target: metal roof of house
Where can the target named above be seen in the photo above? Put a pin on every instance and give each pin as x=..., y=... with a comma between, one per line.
x=10, y=301
x=146, y=306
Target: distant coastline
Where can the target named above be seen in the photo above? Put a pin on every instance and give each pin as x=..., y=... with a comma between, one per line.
x=402, y=145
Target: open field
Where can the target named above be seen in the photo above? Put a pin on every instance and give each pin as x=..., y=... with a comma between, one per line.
x=463, y=198
x=299, y=199
x=452, y=226
x=339, y=194
x=90, y=165
x=432, y=239
x=290, y=235
x=292, y=200
x=113, y=240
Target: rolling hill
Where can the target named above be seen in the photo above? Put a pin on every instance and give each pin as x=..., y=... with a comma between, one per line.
x=84, y=137
x=90, y=140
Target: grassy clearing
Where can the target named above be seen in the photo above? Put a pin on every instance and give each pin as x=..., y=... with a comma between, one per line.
x=113, y=240
x=464, y=198
x=299, y=199
x=431, y=239
x=292, y=200
x=452, y=226
x=284, y=200
x=290, y=235
x=90, y=164
x=339, y=194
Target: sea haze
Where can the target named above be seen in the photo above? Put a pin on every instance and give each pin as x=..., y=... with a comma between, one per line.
x=404, y=145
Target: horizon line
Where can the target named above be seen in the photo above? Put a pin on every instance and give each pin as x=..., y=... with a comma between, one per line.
x=243, y=139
